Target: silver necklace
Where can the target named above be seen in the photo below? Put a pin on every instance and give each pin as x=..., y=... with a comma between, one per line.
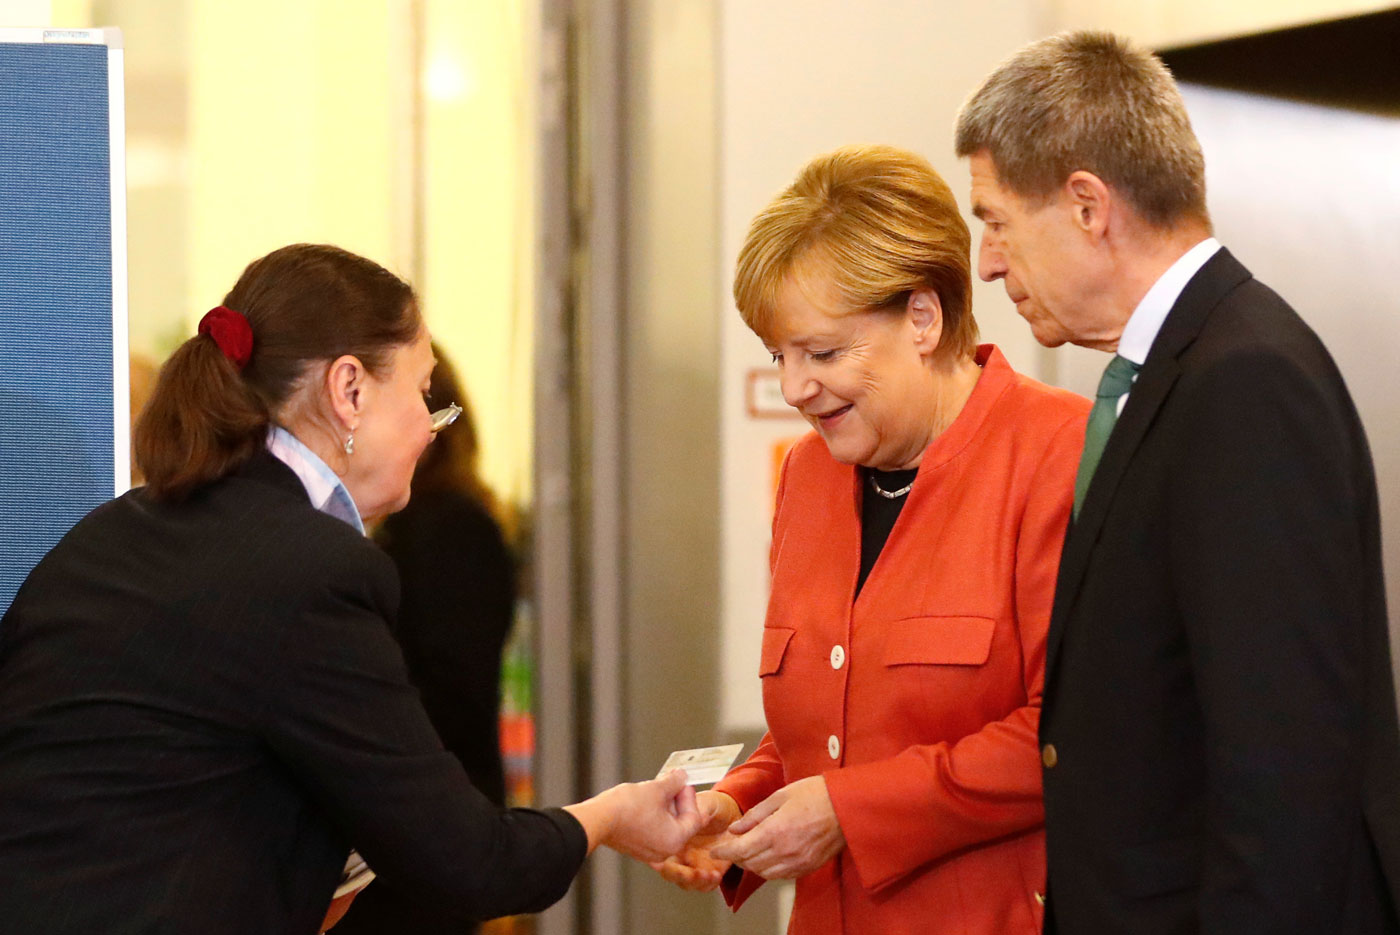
x=890, y=494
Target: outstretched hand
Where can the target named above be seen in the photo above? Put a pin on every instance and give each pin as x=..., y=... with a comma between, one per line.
x=695, y=867
x=649, y=821
x=787, y=835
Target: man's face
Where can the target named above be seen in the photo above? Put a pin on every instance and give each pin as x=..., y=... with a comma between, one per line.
x=1035, y=250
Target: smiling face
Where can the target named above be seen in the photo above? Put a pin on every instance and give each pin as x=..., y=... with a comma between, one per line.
x=393, y=430
x=1035, y=250
x=861, y=379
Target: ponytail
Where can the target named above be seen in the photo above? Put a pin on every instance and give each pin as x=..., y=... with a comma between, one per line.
x=202, y=421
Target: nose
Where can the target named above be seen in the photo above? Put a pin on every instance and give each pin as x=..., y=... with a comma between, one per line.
x=991, y=265
x=798, y=385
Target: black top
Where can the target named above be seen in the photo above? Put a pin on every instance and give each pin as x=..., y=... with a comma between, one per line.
x=458, y=601
x=878, y=514
x=202, y=708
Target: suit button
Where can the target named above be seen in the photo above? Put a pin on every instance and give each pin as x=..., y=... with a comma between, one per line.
x=1040, y=898
x=833, y=746
x=1049, y=756
x=838, y=656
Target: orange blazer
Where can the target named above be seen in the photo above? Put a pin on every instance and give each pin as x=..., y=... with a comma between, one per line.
x=919, y=701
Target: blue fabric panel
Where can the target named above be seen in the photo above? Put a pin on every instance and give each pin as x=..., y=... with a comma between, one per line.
x=56, y=393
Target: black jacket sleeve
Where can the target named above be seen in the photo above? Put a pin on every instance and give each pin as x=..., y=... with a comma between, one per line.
x=344, y=719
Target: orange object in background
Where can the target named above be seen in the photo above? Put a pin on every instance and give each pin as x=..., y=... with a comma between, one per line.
x=518, y=753
x=510, y=925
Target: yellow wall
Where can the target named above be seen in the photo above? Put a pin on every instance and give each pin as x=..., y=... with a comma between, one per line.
x=36, y=13
x=478, y=219
x=290, y=134
x=302, y=131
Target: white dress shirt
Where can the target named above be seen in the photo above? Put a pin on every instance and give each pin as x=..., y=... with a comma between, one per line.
x=1146, y=320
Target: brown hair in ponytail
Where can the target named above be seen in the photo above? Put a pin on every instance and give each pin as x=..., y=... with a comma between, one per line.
x=307, y=304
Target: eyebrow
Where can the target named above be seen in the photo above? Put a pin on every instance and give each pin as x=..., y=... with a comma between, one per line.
x=979, y=211
x=807, y=342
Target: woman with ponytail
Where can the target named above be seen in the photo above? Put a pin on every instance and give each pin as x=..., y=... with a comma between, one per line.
x=202, y=706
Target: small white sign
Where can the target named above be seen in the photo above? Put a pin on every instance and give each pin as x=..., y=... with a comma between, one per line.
x=763, y=396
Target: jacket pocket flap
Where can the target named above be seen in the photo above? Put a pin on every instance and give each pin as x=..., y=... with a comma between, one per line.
x=949, y=641
x=775, y=644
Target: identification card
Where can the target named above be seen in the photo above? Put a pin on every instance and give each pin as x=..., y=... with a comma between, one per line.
x=703, y=765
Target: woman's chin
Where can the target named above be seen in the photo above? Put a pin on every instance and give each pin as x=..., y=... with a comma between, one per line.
x=846, y=453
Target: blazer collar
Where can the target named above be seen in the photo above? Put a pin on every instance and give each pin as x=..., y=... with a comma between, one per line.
x=1221, y=274
x=994, y=380
x=265, y=468
x=992, y=384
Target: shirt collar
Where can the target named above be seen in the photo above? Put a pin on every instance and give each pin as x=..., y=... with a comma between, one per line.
x=1141, y=329
x=327, y=491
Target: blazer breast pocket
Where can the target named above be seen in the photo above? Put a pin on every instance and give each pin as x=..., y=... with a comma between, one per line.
x=775, y=644
x=938, y=640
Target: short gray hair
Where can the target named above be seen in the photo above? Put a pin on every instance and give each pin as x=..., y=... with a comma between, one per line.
x=1089, y=101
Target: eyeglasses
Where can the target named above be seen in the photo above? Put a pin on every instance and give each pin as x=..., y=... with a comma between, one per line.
x=444, y=417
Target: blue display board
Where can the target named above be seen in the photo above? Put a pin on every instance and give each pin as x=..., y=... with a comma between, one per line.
x=63, y=392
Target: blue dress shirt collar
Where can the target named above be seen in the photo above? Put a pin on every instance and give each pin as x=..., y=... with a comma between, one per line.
x=327, y=491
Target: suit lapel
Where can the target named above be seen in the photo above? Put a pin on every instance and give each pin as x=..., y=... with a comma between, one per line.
x=1218, y=276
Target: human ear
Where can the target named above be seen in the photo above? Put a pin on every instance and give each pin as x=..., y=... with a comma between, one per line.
x=346, y=386
x=1090, y=200
x=925, y=311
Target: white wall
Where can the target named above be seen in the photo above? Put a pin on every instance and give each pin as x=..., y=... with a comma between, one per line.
x=1167, y=23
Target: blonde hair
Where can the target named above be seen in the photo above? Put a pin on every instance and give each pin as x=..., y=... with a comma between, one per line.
x=1089, y=101
x=880, y=223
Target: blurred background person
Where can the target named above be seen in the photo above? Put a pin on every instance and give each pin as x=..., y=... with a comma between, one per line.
x=202, y=707
x=915, y=542
x=457, y=585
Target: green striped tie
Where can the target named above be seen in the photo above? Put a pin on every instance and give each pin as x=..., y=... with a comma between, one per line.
x=1117, y=380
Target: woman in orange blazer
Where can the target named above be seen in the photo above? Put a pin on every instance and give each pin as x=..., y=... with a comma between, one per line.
x=915, y=544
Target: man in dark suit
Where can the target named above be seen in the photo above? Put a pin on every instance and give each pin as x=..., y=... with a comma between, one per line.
x=1219, y=727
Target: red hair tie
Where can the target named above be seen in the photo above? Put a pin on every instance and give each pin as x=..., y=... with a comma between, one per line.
x=231, y=331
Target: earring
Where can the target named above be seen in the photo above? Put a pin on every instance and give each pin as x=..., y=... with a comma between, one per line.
x=350, y=443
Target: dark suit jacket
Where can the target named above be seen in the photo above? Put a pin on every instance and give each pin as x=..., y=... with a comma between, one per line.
x=458, y=602
x=202, y=709
x=1218, y=690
